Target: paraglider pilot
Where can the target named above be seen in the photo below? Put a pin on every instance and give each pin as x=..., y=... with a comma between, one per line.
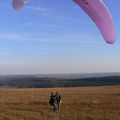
x=55, y=100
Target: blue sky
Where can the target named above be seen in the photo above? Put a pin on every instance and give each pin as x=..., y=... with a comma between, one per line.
x=55, y=37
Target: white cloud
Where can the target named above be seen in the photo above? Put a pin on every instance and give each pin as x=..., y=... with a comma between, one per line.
x=62, y=39
x=30, y=24
x=39, y=8
x=52, y=25
x=11, y=36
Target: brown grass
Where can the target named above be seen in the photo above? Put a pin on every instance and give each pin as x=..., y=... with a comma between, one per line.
x=85, y=103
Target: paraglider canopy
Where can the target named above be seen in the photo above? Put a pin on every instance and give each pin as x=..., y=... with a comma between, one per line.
x=98, y=12
x=18, y=4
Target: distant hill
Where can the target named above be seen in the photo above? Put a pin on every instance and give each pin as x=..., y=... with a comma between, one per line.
x=46, y=81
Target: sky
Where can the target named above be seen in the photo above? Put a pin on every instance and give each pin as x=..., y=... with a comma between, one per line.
x=55, y=37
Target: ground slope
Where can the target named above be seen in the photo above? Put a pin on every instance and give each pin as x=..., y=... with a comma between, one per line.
x=85, y=103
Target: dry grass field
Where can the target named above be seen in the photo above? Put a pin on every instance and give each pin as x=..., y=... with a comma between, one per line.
x=84, y=103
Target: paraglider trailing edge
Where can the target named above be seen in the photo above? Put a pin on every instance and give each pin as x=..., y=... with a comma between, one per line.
x=96, y=10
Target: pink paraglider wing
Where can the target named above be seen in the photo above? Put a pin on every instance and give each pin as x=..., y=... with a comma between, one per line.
x=17, y=4
x=97, y=11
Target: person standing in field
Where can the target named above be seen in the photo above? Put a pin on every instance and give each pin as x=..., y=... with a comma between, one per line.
x=55, y=100
x=58, y=99
x=51, y=101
